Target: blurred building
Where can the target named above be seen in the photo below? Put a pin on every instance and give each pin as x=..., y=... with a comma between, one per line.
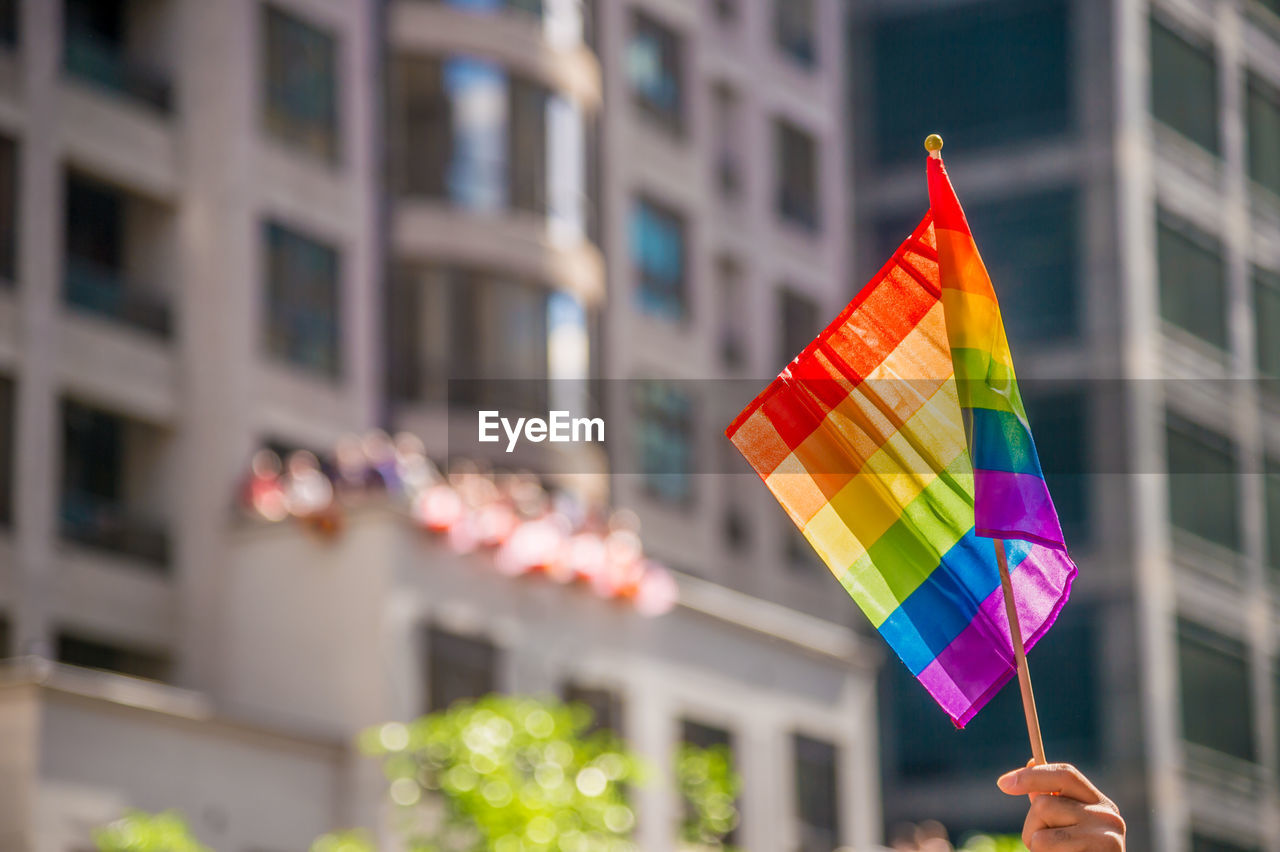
x=240, y=224
x=1120, y=165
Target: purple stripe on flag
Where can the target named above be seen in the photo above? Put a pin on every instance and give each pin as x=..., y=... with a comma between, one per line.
x=979, y=661
x=1015, y=505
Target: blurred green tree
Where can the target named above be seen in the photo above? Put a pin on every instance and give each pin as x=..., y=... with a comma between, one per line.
x=138, y=831
x=507, y=774
x=344, y=841
x=993, y=843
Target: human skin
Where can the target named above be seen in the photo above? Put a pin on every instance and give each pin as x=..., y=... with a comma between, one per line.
x=1067, y=813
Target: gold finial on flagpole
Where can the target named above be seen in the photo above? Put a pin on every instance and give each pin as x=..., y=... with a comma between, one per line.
x=933, y=144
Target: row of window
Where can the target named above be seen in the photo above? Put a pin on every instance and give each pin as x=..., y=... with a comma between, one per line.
x=1002, y=74
x=658, y=236
x=1186, y=96
x=467, y=337
x=111, y=44
x=464, y=667
x=117, y=266
x=654, y=72
x=76, y=649
x=1216, y=677
x=111, y=469
x=1205, y=477
x=1194, y=296
x=996, y=73
x=467, y=130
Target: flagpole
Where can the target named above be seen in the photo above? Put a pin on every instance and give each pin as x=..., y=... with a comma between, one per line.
x=1020, y=656
x=933, y=144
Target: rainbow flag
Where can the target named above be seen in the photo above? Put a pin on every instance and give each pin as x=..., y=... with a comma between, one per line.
x=898, y=443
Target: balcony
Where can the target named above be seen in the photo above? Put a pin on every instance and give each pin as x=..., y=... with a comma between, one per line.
x=115, y=476
x=102, y=291
x=106, y=65
x=118, y=245
x=102, y=524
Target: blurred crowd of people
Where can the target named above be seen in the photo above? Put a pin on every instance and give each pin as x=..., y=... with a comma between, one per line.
x=514, y=518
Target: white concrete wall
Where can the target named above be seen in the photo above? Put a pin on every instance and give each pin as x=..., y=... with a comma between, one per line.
x=79, y=748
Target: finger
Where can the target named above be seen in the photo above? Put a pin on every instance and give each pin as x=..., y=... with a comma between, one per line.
x=1075, y=839
x=1057, y=840
x=1060, y=778
x=1052, y=812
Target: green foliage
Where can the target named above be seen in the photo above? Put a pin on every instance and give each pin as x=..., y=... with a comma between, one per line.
x=508, y=774
x=138, y=831
x=343, y=841
x=993, y=843
x=709, y=787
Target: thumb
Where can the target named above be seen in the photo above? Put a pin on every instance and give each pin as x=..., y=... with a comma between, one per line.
x=1008, y=782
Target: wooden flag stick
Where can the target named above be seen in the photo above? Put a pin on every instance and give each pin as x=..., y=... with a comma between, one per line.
x=1020, y=655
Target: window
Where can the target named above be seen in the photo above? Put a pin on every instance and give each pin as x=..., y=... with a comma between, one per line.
x=1184, y=86
x=532, y=7
x=1059, y=422
x=421, y=139
x=733, y=314
x=8, y=210
x=795, y=30
x=75, y=650
x=1193, y=280
x=1266, y=303
x=1271, y=496
x=817, y=800
x=658, y=257
x=1204, y=843
x=527, y=145
x=1264, y=132
x=737, y=530
x=101, y=41
x=300, y=62
x=476, y=179
x=466, y=130
x=99, y=482
x=108, y=233
x=796, y=166
x=303, y=301
x=726, y=11
x=979, y=74
x=469, y=337
x=92, y=457
x=1203, y=495
x=1216, y=698
x=9, y=22
x=799, y=554
x=654, y=71
x=710, y=737
x=800, y=323
x=95, y=234
x=664, y=437
x=923, y=743
x=459, y=668
x=1031, y=246
x=8, y=426
x=605, y=706
x=728, y=137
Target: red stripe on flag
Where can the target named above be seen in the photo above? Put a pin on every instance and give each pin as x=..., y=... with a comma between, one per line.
x=947, y=212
